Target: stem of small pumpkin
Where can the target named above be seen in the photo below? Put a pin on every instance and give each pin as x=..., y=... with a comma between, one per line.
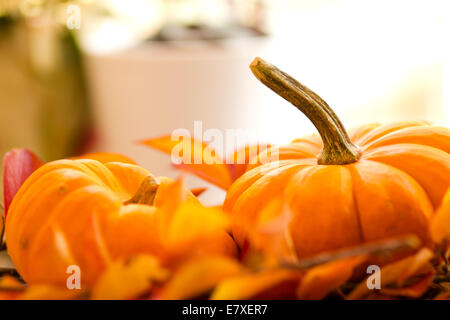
x=337, y=146
x=146, y=192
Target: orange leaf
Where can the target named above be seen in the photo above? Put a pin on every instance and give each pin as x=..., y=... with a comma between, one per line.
x=321, y=280
x=186, y=227
x=195, y=157
x=18, y=165
x=170, y=195
x=199, y=276
x=275, y=284
x=10, y=288
x=48, y=292
x=397, y=272
x=198, y=191
x=129, y=280
x=201, y=160
x=192, y=223
x=419, y=264
x=413, y=291
x=271, y=234
x=240, y=159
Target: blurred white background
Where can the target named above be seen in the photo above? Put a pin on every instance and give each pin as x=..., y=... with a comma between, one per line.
x=370, y=60
x=154, y=66
x=380, y=61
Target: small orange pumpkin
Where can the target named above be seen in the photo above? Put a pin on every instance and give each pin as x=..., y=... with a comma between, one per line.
x=440, y=224
x=86, y=213
x=343, y=189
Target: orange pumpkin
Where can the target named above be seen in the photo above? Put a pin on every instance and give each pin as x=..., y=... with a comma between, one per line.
x=343, y=189
x=86, y=213
x=440, y=225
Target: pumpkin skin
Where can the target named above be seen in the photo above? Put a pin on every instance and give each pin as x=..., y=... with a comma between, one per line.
x=72, y=212
x=440, y=224
x=391, y=188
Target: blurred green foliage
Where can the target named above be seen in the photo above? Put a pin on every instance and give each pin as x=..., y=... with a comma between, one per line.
x=43, y=97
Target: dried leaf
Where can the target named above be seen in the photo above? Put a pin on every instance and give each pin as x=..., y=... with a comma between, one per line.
x=198, y=191
x=321, y=280
x=446, y=294
x=271, y=233
x=201, y=160
x=205, y=162
x=397, y=272
x=268, y=284
x=10, y=288
x=13, y=289
x=240, y=159
x=419, y=264
x=382, y=251
x=47, y=292
x=192, y=223
x=18, y=165
x=129, y=280
x=199, y=276
x=171, y=194
x=415, y=290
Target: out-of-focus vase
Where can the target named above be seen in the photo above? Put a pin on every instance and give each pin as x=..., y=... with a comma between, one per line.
x=155, y=88
x=42, y=91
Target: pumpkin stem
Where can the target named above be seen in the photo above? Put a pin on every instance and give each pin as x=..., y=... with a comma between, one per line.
x=337, y=147
x=146, y=192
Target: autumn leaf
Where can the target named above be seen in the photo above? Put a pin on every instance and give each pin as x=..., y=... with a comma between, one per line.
x=398, y=272
x=192, y=229
x=323, y=279
x=249, y=156
x=191, y=221
x=198, y=191
x=10, y=288
x=415, y=290
x=18, y=165
x=199, y=276
x=266, y=284
x=271, y=233
x=127, y=280
x=48, y=292
x=205, y=162
x=195, y=157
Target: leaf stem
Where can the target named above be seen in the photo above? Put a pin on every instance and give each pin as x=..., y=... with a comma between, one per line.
x=337, y=149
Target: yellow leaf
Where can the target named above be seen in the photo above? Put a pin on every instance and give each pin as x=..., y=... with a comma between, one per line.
x=128, y=280
x=266, y=284
x=413, y=291
x=397, y=272
x=195, y=157
x=192, y=222
x=440, y=223
x=47, y=292
x=198, y=276
x=271, y=233
x=321, y=280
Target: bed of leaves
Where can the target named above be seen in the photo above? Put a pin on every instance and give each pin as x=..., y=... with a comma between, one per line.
x=407, y=269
